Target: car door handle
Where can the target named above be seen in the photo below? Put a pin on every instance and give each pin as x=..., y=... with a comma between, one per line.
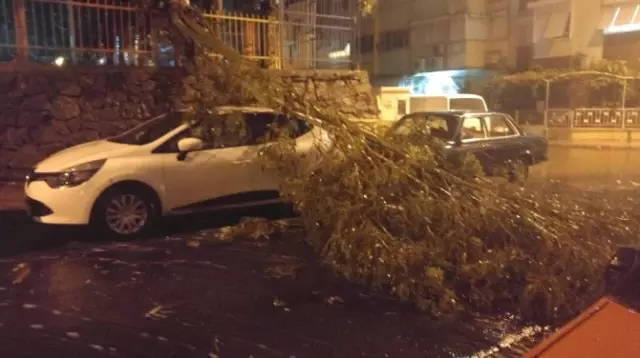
x=242, y=161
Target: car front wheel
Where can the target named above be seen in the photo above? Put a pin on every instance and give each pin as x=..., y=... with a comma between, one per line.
x=124, y=213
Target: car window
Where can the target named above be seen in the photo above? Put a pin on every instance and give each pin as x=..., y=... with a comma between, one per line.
x=498, y=126
x=442, y=127
x=236, y=129
x=149, y=131
x=216, y=131
x=171, y=145
x=267, y=127
x=224, y=131
x=472, y=128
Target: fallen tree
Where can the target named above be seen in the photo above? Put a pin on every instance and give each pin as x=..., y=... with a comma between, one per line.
x=401, y=219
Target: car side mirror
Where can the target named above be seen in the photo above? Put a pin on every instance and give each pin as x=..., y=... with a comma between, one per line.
x=189, y=144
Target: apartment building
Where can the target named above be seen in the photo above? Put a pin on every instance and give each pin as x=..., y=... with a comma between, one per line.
x=579, y=32
x=466, y=38
x=475, y=38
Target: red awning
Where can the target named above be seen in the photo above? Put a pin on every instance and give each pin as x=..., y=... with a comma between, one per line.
x=605, y=330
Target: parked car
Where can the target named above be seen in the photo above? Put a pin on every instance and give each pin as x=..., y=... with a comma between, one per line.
x=163, y=166
x=494, y=138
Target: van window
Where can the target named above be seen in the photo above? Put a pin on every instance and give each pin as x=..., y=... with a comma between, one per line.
x=467, y=104
x=419, y=104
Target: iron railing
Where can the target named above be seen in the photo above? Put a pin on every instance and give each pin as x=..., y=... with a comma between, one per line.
x=116, y=32
x=627, y=118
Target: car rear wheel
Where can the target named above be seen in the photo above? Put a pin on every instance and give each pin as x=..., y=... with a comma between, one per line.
x=518, y=171
x=125, y=213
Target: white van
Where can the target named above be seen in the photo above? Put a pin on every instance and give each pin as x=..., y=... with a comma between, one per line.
x=447, y=102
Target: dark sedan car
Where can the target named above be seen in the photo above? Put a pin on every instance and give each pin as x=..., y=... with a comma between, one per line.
x=494, y=138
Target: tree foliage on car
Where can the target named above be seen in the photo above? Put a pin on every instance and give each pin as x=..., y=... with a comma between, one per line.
x=401, y=219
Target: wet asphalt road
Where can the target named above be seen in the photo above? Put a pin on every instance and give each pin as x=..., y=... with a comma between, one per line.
x=63, y=293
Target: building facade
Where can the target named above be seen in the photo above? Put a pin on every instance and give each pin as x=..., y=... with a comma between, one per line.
x=405, y=37
x=594, y=30
x=412, y=36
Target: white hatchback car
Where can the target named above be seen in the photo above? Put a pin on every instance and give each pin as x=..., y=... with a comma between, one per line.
x=163, y=166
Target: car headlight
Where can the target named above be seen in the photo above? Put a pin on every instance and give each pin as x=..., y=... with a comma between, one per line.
x=73, y=176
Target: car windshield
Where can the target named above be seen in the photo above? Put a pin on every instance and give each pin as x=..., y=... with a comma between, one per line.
x=439, y=126
x=149, y=131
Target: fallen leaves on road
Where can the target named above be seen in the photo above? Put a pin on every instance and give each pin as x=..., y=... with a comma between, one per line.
x=279, y=303
x=194, y=244
x=20, y=272
x=334, y=299
x=281, y=271
x=158, y=312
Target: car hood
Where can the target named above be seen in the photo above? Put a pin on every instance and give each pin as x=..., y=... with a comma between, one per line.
x=82, y=153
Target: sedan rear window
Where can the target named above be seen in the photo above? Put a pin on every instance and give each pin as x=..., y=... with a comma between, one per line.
x=439, y=126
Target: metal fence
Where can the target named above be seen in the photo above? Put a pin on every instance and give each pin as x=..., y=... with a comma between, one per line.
x=627, y=118
x=116, y=32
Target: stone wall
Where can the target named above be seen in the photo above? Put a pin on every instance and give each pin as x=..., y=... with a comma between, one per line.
x=43, y=111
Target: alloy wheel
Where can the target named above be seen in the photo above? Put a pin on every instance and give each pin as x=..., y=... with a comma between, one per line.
x=126, y=214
